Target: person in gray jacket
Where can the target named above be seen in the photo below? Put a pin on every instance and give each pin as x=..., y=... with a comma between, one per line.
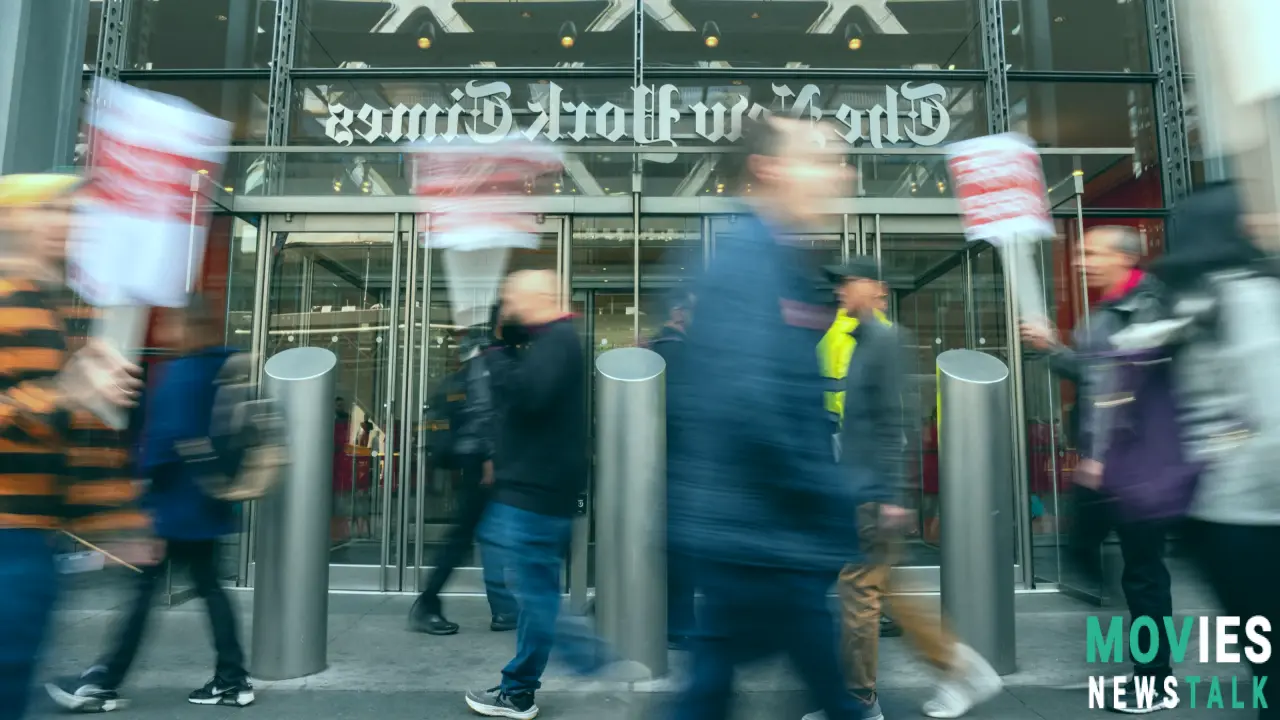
x=876, y=433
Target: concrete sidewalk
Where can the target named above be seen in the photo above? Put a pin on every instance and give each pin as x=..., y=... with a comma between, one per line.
x=378, y=668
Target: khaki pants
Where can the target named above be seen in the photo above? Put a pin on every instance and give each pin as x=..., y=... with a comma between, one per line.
x=863, y=589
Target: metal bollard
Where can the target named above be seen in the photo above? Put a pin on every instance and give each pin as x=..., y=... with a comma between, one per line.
x=976, y=483
x=291, y=573
x=631, y=499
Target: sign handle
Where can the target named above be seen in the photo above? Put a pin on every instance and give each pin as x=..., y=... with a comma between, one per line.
x=1017, y=254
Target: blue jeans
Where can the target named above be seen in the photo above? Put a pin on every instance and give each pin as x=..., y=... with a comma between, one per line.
x=529, y=550
x=752, y=613
x=30, y=582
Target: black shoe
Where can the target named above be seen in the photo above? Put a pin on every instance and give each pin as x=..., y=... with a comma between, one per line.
x=496, y=703
x=503, y=623
x=1143, y=694
x=220, y=692
x=85, y=694
x=889, y=628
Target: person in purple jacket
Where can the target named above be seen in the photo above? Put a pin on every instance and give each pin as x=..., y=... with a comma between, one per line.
x=190, y=523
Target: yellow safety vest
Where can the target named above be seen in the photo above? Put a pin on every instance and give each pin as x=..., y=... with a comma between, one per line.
x=834, y=352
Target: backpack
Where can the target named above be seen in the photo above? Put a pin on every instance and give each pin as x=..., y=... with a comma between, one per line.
x=245, y=452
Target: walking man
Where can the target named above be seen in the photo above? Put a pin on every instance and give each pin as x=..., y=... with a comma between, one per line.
x=759, y=504
x=44, y=390
x=876, y=432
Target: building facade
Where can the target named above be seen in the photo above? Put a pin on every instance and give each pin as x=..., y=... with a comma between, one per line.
x=315, y=234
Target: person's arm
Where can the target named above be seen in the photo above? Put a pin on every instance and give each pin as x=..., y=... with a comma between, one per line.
x=532, y=379
x=892, y=432
x=32, y=397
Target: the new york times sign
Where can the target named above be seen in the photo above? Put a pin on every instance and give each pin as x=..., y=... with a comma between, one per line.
x=910, y=113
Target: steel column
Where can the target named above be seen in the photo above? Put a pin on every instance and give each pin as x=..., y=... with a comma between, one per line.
x=279, y=97
x=1175, y=160
x=996, y=62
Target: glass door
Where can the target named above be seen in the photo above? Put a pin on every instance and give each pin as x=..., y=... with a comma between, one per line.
x=340, y=283
x=436, y=493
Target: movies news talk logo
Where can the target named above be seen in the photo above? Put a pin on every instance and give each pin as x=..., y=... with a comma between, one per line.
x=482, y=112
x=1219, y=642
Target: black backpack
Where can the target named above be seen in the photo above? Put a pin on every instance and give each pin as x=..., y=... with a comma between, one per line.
x=245, y=453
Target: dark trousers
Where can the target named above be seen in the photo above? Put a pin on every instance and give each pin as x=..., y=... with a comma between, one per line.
x=30, y=582
x=750, y=613
x=200, y=558
x=1145, y=581
x=530, y=548
x=475, y=498
x=1241, y=564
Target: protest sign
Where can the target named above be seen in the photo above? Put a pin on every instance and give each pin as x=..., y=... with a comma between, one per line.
x=475, y=219
x=999, y=183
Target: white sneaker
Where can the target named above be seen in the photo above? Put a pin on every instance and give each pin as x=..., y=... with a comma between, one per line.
x=972, y=683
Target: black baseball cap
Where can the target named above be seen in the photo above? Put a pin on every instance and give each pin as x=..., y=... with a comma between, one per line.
x=856, y=268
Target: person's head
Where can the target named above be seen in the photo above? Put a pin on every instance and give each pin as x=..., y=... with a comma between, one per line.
x=858, y=285
x=787, y=169
x=190, y=329
x=680, y=306
x=1209, y=233
x=36, y=213
x=1110, y=254
x=531, y=297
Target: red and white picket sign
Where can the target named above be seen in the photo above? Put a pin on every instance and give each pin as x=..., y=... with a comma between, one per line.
x=999, y=182
x=136, y=244
x=476, y=192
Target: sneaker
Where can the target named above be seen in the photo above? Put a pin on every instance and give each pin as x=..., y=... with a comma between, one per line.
x=1142, y=695
x=218, y=692
x=85, y=694
x=496, y=703
x=889, y=628
x=870, y=711
x=970, y=684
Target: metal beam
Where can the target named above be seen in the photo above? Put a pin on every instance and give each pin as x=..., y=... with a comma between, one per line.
x=1175, y=156
x=279, y=98
x=996, y=62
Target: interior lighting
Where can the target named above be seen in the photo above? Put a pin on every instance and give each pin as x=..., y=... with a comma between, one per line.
x=202, y=171
x=426, y=35
x=568, y=35
x=711, y=35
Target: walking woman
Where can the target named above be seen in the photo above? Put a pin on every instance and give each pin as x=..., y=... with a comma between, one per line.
x=190, y=522
x=1223, y=333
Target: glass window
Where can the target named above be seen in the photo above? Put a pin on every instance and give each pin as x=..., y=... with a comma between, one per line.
x=939, y=34
x=242, y=102
x=205, y=34
x=1077, y=35
x=95, y=32
x=463, y=33
x=1093, y=116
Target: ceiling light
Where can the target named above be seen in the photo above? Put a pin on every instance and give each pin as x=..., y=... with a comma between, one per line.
x=568, y=35
x=853, y=36
x=222, y=18
x=526, y=14
x=424, y=43
x=203, y=171
x=426, y=35
x=755, y=16
x=855, y=43
x=711, y=35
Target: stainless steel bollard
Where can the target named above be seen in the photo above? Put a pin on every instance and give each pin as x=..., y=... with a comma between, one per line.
x=291, y=573
x=976, y=484
x=630, y=505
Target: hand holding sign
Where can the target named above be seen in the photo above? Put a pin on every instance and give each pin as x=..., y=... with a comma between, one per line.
x=1000, y=185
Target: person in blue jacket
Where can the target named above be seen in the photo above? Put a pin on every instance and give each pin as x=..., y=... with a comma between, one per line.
x=187, y=521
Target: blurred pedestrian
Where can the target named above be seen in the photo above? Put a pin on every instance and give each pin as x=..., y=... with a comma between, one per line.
x=1223, y=335
x=682, y=619
x=51, y=479
x=190, y=522
x=759, y=503
x=877, y=429
x=468, y=404
x=1127, y=296
x=539, y=380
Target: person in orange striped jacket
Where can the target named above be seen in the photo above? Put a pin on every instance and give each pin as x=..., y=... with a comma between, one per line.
x=59, y=469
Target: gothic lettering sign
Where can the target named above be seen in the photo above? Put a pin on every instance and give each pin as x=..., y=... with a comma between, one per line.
x=482, y=112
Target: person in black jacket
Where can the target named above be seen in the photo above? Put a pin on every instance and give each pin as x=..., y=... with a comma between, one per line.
x=471, y=420
x=670, y=344
x=540, y=466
